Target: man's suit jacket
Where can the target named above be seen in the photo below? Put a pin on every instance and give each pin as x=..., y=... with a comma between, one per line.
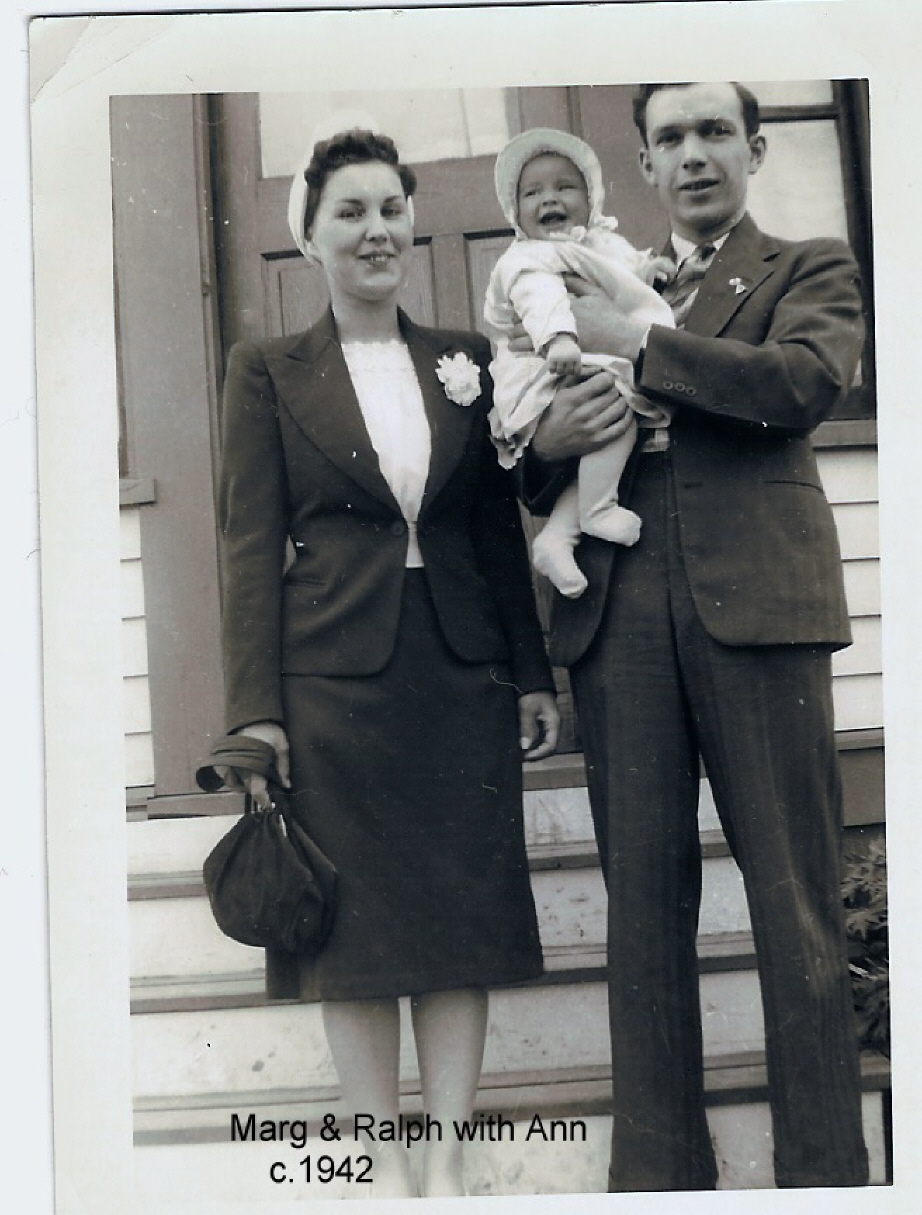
x=298, y=464
x=770, y=346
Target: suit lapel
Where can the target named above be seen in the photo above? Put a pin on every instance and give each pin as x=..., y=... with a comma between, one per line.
x=744, y=261
x=313, y=381
x=449, y=423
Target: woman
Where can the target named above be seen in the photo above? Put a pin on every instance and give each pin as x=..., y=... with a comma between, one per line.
x=384, y=667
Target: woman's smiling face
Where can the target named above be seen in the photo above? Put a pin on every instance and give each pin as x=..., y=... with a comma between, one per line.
x=362, y=233
x=552, y=197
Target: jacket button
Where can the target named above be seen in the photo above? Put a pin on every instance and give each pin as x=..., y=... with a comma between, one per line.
x=398, y=529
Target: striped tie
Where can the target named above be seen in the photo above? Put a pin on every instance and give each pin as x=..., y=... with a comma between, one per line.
x=680, y=293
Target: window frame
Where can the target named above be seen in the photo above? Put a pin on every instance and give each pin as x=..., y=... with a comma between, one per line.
x=855, y=419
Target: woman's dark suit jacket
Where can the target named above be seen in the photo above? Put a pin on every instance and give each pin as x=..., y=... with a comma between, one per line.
x=298, y=464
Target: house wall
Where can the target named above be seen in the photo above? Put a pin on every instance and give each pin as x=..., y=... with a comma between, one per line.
x=850, y=479
x=139, y=747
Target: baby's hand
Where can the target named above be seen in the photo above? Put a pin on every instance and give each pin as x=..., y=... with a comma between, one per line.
x=562, y=355
x=658, y=272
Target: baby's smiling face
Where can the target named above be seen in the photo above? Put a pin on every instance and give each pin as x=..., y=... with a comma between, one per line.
x=552, y=197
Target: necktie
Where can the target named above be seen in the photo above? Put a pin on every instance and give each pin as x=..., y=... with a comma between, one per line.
x=680, y=293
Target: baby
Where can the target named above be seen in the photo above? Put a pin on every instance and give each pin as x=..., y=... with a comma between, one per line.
x=549, y=184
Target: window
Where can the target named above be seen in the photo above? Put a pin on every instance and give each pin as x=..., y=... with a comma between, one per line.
x=435, y=124
x=816, y=182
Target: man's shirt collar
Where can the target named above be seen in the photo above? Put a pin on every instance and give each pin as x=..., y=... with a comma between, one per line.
x=685, y=248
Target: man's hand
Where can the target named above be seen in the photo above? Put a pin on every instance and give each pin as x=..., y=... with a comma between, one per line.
x=584, y=416
x=603, y=326
x=606, y=327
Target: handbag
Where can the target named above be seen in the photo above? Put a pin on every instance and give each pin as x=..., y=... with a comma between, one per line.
x=268, y=883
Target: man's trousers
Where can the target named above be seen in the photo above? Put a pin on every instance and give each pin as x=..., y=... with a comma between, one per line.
x=654, y=692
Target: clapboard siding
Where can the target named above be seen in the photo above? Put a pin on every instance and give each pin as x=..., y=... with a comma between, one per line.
x=849, y=474
x=132, y=589
x=139, y=752
x=849, y=477
x=136, y=699
x=862, y=587
x=134, y=647
x=863, y=656
x=858, y=702
x=857, y=526
x=139, y=761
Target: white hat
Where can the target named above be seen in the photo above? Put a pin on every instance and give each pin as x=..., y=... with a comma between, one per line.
x=332, y=124
x=297, y=207
x=539, y=140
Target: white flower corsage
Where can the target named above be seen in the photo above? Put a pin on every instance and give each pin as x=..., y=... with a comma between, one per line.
x=460, y=377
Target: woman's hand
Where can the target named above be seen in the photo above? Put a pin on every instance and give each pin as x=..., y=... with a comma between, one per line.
x=272, y=733
x=584, y=415
x=539, y=723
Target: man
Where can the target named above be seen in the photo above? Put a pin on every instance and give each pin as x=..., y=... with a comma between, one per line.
x=712, y=638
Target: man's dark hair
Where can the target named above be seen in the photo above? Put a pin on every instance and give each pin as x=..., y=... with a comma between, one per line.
x=355, y=147
x=644, y=92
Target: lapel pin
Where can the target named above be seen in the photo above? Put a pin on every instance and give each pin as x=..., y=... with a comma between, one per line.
x=738, y=286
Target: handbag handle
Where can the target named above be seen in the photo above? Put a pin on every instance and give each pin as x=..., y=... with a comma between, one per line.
x=278, y=805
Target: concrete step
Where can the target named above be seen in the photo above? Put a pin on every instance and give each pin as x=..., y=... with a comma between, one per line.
x=572, y=903
x=245, y=987
x=169, y=845
x=186, y=1160
x=553, y=816
x=173, y=932
x=211, y=1044
x=557, y=802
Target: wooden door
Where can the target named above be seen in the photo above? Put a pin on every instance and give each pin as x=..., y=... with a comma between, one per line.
x=267, y=287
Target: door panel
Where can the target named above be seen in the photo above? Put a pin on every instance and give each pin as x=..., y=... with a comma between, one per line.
x=483, y=254
x=297, y=296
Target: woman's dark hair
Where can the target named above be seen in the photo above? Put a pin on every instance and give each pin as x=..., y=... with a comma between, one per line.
x=748, y=103
x=355, y=147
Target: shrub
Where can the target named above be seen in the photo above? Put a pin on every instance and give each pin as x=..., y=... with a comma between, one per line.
x=864, y=889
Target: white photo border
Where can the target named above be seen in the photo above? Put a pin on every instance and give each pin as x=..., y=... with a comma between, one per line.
x=165, y=52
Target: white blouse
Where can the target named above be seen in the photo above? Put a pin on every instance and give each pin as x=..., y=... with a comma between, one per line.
x=391, y=402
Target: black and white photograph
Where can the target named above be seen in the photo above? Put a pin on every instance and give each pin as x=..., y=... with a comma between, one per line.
x=477, y=667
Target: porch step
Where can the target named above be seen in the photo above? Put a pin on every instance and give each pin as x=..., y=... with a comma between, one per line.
x=553, y=816
x=206, y=1042
x=173, y=931
x=220, y=1034
x=717, y=953
x=186, y=1155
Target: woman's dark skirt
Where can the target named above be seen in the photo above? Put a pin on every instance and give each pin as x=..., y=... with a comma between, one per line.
x=410, y=782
